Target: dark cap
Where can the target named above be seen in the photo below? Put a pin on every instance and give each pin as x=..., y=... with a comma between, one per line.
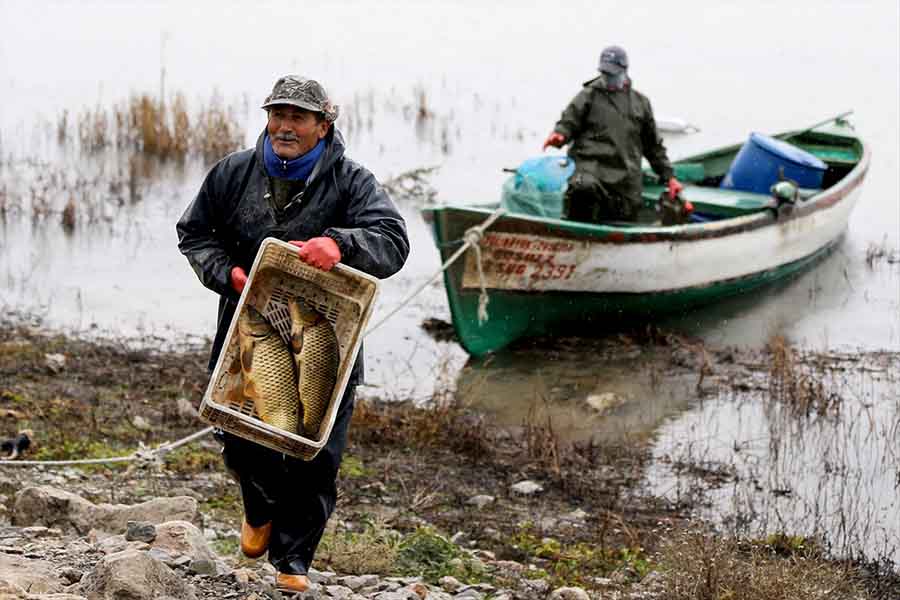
x=302, y=93
x=613, y=60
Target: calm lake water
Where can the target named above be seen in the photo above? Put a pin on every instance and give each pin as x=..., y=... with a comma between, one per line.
x=495, y=78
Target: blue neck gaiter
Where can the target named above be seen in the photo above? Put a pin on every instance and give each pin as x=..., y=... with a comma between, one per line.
x=298, y=169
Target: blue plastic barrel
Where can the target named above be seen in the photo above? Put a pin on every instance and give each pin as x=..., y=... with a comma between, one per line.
x=756, y=166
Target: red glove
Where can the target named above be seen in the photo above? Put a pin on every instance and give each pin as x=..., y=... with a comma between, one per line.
x=554, y=139
x=674, y=187
x=238, y=279
x=320, y=252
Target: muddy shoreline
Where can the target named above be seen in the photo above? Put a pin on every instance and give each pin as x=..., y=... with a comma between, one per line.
x=444, y=467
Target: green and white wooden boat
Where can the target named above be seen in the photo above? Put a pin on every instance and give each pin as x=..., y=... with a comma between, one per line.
x=543, y=275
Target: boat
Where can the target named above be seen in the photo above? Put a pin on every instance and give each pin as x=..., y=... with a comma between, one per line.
x=534, y=275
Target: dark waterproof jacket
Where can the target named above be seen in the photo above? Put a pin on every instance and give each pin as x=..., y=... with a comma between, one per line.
x=226, y=223
x=609, y=132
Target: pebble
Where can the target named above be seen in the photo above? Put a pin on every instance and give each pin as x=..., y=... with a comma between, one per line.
x=339, y=592
x=449, y=583
x=604, y=403
x=527, y=488
x=202, y=566
x=55, y=362
x=140, y=423
x=243, y=576
x=70, y=574
x=469, y=594
x=185, y=408
x=140, y=531
x=480, y=500
x=569, y=593
x=357, y=582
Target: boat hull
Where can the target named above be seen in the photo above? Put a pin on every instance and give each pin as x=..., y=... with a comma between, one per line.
x=541, y=274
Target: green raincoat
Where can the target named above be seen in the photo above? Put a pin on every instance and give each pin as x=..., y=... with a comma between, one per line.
x=609, y=131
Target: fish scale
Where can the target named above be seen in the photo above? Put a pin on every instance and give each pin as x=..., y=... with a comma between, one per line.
x=268, y=372
x=315, y=349
x=317, y=373
x=276, y=401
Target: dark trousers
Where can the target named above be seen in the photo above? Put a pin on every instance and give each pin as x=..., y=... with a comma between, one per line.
x=297, y=496
x=588, y=200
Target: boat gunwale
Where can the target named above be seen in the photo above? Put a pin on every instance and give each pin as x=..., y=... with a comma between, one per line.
x=606, y=233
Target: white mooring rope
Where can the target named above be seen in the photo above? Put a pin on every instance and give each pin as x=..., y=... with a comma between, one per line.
x=153, y=456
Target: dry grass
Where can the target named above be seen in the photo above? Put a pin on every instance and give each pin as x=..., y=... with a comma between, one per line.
x=446, y=425
x=68, y=215
x=876, y=253
x=217, y=132
x=62, y=127
x=153, y=127
x=373, y=550
x=93, y=129
x=542, y=443
x=796, y=384
x=74, y=198
x=413, y=186
x=697, y=566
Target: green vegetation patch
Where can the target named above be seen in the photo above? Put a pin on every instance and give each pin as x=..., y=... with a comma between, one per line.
x=82, y=449
x=352, y=467
x=578, y=563
x=427, y=554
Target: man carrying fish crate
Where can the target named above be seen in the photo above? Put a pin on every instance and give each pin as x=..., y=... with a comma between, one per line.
x=296, y=185
x=609, y=126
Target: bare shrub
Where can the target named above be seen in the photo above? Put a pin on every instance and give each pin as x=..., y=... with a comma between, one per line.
x=797, y=385
x=217, y=132
x=881, y=252
x=413, y=185
x=93, y=129
x=373, y=550
x=541, y=440
x=62, y=127
x=68, y=215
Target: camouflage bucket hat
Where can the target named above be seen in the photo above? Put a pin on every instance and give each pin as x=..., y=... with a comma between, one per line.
x=302, y=93
x=613, y=60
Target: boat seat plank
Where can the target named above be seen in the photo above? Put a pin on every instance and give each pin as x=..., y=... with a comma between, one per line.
x=717, y=202
x=840, y=155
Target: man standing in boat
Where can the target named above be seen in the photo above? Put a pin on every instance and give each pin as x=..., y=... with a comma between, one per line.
x=609, y=126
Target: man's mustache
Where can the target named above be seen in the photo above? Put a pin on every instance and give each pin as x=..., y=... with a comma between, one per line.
x=286, y=137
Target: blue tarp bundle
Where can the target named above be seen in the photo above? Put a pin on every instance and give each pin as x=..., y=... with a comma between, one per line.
x=538, y=186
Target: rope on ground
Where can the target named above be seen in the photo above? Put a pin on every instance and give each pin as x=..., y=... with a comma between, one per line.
x=472, y=238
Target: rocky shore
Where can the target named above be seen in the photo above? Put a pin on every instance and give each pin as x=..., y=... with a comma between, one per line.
x=64, y=547
x=434, y=503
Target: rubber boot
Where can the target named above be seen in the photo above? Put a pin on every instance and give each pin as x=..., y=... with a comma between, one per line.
x=255, y=540
x=285, y=582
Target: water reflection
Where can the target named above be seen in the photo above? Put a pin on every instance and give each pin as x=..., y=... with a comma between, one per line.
x=837, y=477
x=607, y=388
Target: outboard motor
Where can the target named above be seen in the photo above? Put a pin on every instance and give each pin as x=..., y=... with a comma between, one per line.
x=786, y=192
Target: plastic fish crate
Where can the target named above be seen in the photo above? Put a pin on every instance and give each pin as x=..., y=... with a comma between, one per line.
x=343, y=295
